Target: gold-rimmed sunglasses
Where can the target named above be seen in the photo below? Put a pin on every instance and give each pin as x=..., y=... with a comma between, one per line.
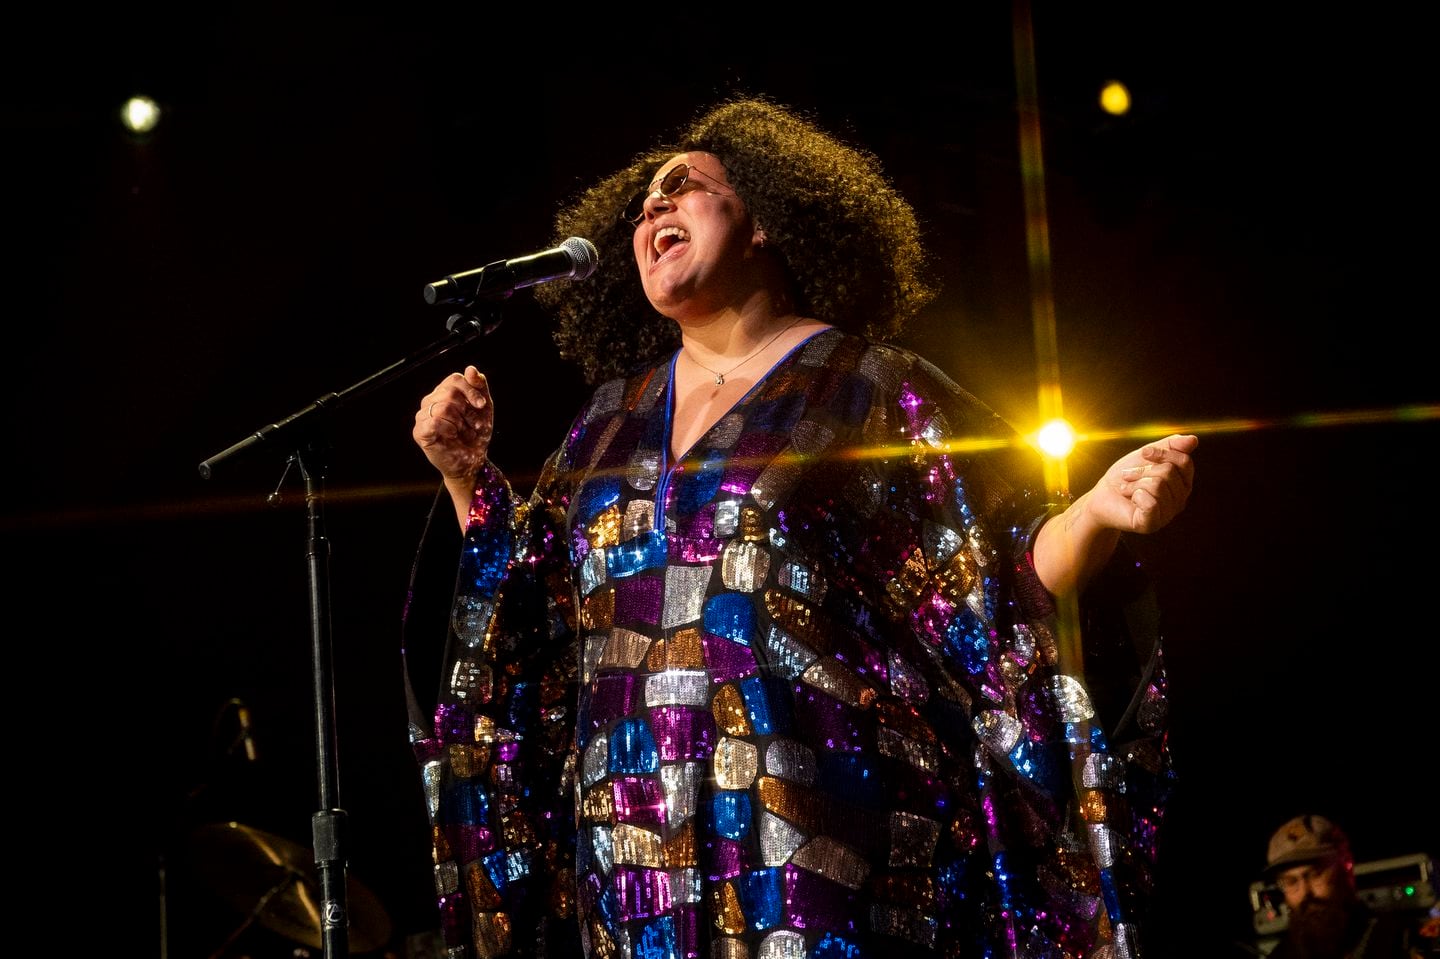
x=670, y=184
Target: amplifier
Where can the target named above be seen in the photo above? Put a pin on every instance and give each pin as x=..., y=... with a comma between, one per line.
x=1405, y=882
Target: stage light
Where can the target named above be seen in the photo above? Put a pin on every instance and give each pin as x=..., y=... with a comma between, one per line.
x=1115, y=98
x=140, y=114
x=1056, y=439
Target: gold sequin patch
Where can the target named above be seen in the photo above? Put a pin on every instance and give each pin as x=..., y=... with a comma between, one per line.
x=833, y=678
x=598, y=804
x=440, y=845
x=634, y=846
x=904, y=590
x=598, y=610
x=729, y=709
x=728, y=949
x=480, y=889
x=624, y=649
x=729, y=917
x=798, y=619
x=752, y=525
x=604, y=530
x=795, y=803
x=492, y=934
x=1094, y=805
x=471, y=681
x=679, y=850
x=956, y=579
x=910, y=889
x=735, y=763
x=683, y=650
x=466, y=760
x=920, y=755
x=833, y=860
x=601, y=945
x=516, y=829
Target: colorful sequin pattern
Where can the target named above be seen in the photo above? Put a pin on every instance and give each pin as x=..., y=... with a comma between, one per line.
x=795, y=696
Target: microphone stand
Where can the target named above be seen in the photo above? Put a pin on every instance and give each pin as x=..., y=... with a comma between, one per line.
x=301, y=427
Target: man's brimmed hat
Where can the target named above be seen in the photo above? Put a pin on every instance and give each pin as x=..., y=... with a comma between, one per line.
x=1305, y=839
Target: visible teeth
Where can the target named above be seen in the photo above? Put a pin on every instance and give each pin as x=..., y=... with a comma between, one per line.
x=665, y=237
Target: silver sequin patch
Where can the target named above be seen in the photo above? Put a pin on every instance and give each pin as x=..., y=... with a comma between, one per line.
x=1023, y=648
x=1072, y=699
x=799, y=578
x=447, y=878
x=1102, y=772
x=431, y=774
x=639, y=519
x=906, y=681
x=470, y=681
x=606, y=400
x=833, y=860
x=905, y=923
x=782, y=944
x=788, y=655
x=790, y=760
x=727, y=518
x=684, y=594
x=685, y=886
x=643, y=469
x=775, y=482
x=912, y=839
x=1102, y=844
x=592, y=571
x=810, y=438
x=470, y=620
x=601, y=849
x=723, y=434
x=920, y=755
x=594, y=649
x=941, y=544
x=678, y=687
x=597, y=761
x=998, y=731
x=743, y=566
x=680, y=782
x=778, y=839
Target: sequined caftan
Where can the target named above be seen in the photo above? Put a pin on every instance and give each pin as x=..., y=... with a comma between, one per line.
x=795, y=694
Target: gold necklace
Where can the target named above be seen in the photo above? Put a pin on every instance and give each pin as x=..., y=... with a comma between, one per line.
x=720, y=377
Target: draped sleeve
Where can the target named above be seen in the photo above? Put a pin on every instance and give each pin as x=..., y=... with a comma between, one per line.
x=494, y=749
x=1046, y=725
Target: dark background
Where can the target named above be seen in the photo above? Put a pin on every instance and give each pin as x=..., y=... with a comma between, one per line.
x=1246, y=255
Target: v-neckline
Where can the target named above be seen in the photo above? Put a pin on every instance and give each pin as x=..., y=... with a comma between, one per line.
x=673, y=459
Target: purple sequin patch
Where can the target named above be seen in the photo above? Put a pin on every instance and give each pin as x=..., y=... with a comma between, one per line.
x=683, y=732
x=612, y=697
x=637, y=600
x=641, y=892
x=813, y=902
x=639, y=800
x=726, y=660
x=822, y=719
x=726, y=859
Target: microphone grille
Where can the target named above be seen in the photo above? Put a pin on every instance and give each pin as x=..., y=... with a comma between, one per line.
x=584, y=258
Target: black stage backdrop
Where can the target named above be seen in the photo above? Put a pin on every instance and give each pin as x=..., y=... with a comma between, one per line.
x=1246, y=255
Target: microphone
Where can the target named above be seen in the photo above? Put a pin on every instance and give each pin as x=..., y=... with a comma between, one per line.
x=247, y=736
x=575, y=259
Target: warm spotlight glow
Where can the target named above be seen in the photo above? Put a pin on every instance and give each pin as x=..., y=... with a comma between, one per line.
x=140, y=114
x=1115, y=98
x=1056, y=439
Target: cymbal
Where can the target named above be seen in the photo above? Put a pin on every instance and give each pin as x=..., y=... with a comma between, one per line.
x=276, y=882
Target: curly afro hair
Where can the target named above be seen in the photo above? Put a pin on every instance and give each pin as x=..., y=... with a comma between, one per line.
x=848, y=240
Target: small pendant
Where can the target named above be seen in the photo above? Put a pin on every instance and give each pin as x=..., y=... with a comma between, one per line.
x=719, y=379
